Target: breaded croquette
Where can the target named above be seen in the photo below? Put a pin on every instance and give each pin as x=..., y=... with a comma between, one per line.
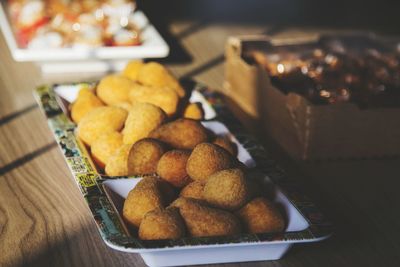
x=144, y=156
x=161, y=224
x=85, y=102
x=117, y=164
x=226, y=144
x=194, y=111
x=261, y=216
x=181, y=133
x=165, y=98
x=193, y=190
x=142, y=119
x=226, y=189
x=149, y=194
x=155, y=74
x=202, y=220
x=99, y=121
x=114, y=89
x=207, y=159
x=172, y=167
x=132, y=69
x=105, y=146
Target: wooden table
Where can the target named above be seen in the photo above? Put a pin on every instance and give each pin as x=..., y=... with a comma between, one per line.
x=44, y=220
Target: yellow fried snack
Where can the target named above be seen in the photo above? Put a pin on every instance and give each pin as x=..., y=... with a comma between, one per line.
x=226, y=189
x=227, y=144
x=161, y=224
x=144, y=156
x=207, y=159
x=155, y=74
x=149, y=194
x=165, y=98
x=202, y=221
x=117, y=163
x=172, y=167
x=193, y=190
x=261, y=216
x=194, y=111
x=181, y=133
x=85, y=102
x=114, y=89
x=125, y=105
x=105, y=146
x=131, y=70
x=99, y=121
x=142, y=119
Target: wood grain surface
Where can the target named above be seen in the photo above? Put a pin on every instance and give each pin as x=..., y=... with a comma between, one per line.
x=44, y=220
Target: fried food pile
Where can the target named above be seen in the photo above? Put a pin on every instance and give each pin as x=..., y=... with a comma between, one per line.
x=132, y=118
x=140, y=123
x=220, y=205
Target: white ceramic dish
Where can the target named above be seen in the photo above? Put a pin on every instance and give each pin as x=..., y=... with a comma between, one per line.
x=105, y=195
x=79, y=59
x=204, y=254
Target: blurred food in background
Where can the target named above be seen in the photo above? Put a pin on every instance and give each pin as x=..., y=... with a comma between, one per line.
x=73, y=23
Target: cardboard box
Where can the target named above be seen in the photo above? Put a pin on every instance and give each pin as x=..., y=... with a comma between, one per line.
x=305, y=130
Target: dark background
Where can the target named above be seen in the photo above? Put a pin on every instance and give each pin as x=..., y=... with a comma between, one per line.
x=380, y=16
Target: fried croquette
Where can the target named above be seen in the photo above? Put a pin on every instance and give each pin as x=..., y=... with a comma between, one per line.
x=114, y=89
x=261, y=216
x=194, y=111
x=132, y=69
x=144, y=156
x=105, y=146
x=165, y=98
x=226, y=189
x=161, y=224
x=172, y=167
x=226, y=144
x=149, y=194
x=181, y=133
x=85, y=102
x=202, y=221
x=117, y=163
x=155, y=74
x=142, y=119
x=193, y=190
x=99, y=121
x=207, y=159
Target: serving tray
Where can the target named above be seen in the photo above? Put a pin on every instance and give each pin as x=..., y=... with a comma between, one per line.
x=105, y=195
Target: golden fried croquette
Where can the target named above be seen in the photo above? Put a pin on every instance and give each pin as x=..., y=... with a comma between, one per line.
x=99, y=121
x=161, y=224
x=202, y=221
x=226, y=189
x=261, y=216
x=142, y=119
x=193, y=190
x=194, y=111
x=131, y=70
x=181, y=133
x=172, y=167
x=155, y=74
x=165, y=98
x=227, y=144
x=114, y=89
x=207, y=159
x=85, y=102
x=117, y=163
x=144, y=156
x=105, y=146
x=149, y=194
x=124, y=105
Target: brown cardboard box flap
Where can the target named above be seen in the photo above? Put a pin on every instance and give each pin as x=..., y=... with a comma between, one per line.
x=303, y=129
